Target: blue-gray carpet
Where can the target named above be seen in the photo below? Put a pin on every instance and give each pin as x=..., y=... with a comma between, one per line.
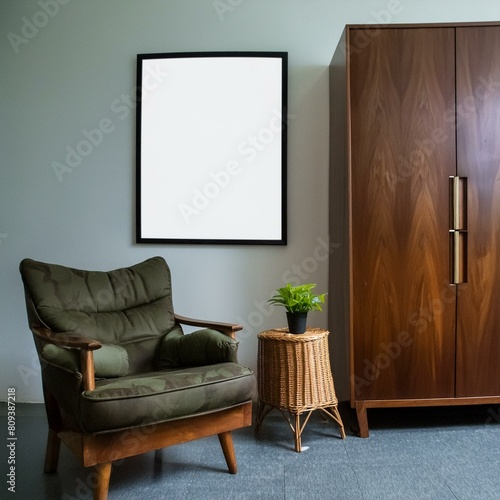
x=412, y=453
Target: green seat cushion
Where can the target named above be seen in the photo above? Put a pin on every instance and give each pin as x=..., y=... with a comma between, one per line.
x=164, y=395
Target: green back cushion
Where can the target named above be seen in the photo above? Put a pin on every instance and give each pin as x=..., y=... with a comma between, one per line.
x=202, y=347
x=130, y=307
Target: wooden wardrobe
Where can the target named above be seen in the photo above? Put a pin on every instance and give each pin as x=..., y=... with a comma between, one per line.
x=415, y=209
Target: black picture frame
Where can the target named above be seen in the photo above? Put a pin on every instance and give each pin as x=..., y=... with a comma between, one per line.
x=211, y=148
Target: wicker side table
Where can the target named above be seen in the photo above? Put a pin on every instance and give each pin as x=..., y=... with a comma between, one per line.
x=294, y=375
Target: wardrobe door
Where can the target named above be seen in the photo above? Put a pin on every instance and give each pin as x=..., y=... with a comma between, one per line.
x=478, y=155
x=402, y=153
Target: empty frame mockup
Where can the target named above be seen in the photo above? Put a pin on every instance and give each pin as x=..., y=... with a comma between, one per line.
x=211, y=148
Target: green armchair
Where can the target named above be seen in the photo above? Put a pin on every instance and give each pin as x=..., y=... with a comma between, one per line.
x=116, y=363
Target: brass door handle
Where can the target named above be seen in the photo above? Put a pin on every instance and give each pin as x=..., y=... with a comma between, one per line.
x=458, y=230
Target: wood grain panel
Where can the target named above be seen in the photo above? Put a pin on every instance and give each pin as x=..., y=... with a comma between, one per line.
x=478, y=138
x=402, y=152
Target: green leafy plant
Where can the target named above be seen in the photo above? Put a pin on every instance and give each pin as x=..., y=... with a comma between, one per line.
x=298, y=299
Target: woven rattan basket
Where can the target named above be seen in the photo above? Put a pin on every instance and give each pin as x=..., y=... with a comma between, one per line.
x=294, y=370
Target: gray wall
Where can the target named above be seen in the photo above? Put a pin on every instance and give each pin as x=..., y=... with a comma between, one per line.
x=66, y=64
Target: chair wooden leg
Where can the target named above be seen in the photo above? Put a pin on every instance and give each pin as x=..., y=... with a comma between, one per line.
x=103, y=472
x=226, y=442
x=52, y=451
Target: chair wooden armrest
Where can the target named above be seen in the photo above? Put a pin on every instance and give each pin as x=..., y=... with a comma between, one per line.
x=84, y=344
x=66, y=339
x=229, y=329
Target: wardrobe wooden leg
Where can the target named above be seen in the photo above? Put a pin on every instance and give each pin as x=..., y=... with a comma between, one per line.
x=103, y=472
x=226, y=442
x=362, y=419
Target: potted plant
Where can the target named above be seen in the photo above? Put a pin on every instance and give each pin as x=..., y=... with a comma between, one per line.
x=298, y=301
